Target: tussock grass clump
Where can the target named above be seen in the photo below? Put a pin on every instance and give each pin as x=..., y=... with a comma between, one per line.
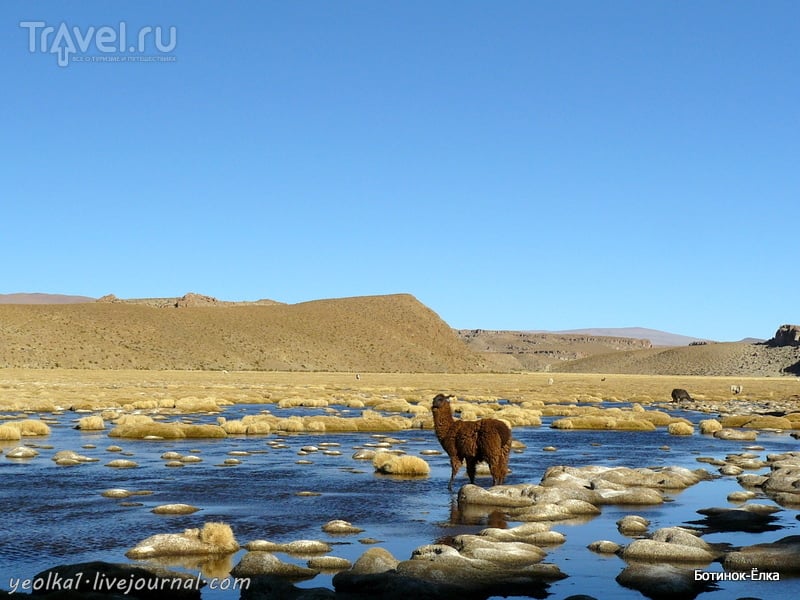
x=133, y=419
x=680, y=428
x=258, y=424
x=234, y=427
x=330, y=423
x=141, y=405
x=392, y=464
x=397, y=405
x=212, y=539
x=192, y=404
x=143, y=427
x=9, y=433
x=601, y=422
x=91, y=423
x=516, y=416
x=167, y=431
x=202, y=431
x=219, y=535
x=290, y=425
x=30, y=427
x=710, y=426
x=758, y=422
x=314, y=426
x=656, y=417
x=373, y=421
x=304, y=402
x=735, y=420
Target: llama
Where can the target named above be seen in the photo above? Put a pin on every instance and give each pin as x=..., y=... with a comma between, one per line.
x=486, y=440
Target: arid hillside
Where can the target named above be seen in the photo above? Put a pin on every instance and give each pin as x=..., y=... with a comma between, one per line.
x=724, y=359
x=376, y=333
x=536, y=351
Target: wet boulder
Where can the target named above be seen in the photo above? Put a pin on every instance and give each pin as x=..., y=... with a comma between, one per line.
x=538, y=534
x=266, y=563
x=748, y=518
x=500, y=553
x=604, y=547
x=374, y=560
x=657, y=551
x=439, y=564
x=663, y=581
x=735, y=435
x=22, y=452
x=632, y=525
x=268, y=586
x=374, y=575
x=148, y=583
x=340, y=527
x=780, y=556
x=499, y=495
x=299, y=547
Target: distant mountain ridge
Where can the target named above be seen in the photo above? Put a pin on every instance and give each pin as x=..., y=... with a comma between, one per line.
x=656, y=337
x=37, y=298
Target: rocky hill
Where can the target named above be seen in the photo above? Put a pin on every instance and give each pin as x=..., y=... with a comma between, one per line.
x=724, y=359
x=521, y=350
x=376, y=333
x=187, y=300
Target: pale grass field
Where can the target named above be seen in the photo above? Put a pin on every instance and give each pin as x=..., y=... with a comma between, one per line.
x=50, y=390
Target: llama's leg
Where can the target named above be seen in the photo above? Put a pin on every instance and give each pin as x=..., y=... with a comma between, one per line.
x=471, y=464
x=501, y=466
x=495, y=468
x=455, y=465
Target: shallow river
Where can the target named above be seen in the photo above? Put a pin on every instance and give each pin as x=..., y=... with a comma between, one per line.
x=56, y=515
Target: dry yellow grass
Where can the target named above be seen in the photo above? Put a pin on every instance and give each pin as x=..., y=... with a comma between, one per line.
x=141, y=426
x=219, y=535
x=9, y=433
x=29, y=427
x=679, y=428
x=603, y=422
x=524, y=396
x=91, y=423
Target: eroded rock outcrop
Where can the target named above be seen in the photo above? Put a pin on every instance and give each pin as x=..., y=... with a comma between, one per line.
x=787, y=335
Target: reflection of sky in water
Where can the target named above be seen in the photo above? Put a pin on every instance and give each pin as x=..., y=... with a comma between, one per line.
x=55, y=515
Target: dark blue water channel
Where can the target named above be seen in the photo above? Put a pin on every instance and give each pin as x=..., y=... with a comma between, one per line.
x=56, y=515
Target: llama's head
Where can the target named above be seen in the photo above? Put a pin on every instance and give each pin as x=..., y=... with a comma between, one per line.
x=440, y=401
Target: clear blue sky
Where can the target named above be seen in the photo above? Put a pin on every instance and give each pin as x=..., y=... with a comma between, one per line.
x=514, y=165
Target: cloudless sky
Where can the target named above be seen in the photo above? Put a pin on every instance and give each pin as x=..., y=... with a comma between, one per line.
x=514, y=165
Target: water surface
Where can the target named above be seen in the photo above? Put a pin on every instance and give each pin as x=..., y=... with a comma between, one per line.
x=56, y=515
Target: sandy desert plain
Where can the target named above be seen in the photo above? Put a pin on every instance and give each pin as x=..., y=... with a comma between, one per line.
x=276, y=461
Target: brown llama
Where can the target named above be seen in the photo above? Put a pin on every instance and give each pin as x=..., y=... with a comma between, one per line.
x=486, y=440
